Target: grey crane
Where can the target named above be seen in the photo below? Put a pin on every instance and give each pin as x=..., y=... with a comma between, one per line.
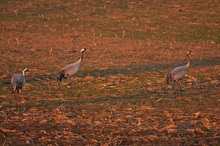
x=177, y=73
x=18, y=81
x=71, y=69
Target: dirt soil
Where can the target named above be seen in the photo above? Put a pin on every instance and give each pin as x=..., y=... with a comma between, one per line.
x=117, y=97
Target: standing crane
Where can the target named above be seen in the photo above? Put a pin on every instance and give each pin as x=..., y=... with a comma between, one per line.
x=71, y=69
x=18, y=81
x=177, y=73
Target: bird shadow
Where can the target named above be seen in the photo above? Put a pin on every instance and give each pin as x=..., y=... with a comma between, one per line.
x=163, y=67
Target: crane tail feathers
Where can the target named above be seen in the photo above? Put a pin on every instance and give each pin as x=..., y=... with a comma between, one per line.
x=16, y=86
x=168, y=78
x=61, y=75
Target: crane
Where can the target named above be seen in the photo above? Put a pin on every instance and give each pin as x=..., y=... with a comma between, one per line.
x=18, y=81
x=177, y=73
x=71, y=69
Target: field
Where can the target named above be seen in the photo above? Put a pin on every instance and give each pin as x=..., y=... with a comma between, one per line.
x=117, y=97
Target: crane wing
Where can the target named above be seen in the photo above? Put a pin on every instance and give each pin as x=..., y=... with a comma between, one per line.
x=178, y=73
x=72, y=69
x=17, y=81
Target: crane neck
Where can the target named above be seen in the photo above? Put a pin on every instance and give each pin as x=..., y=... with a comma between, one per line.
x=188, y=61
x=81, y=58
x=23, y=72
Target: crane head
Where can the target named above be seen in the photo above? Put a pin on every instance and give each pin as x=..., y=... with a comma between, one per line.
x=25, y=69
x=189, y=52
x=84, y=49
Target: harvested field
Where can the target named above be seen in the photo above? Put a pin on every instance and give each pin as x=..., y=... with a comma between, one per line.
x=117, y=97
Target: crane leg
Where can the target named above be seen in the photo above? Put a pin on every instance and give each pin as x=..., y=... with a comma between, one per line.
x=57, y=83
x=14, y=95
x=164, y=88
x=181, y=90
